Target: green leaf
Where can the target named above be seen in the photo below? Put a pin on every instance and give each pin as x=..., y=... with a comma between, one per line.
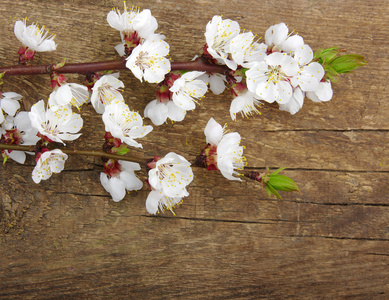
x=5, y=159
x=326, y=55
x=331, y=74
x=121, y=150
x=270, y=190
x=240, y=72
x=335, y=62
x=276, y=182
x=277, y=171
x=282, y=183
x=347, y=63
x=59, y=65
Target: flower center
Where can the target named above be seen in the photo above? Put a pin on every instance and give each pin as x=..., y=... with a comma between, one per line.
x=146, y=61
x=127, y=120
x=164, y=171
x=51, y=127
x=221, y=40
x=275, y=74
x=107, y=93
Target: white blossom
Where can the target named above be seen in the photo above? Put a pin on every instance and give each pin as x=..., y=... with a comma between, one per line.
x=229, y=154
x=147, y=61
x=277, y=39
x=246, y=103
x=20, y=126
x=138, y=25
x=245, y=52
x=213, y=132
x=33, y=37
x=218, y=35
x=295, y=103
x=310, y=73
x=9, y=104
x=187, y=89
x=16, y=155
x=105, y=91
x=48, y=163
x=158, y=112
x=23, y=124
x=323, y=93
x=72, y=94
x=215, y=82
x=125, y=180
x=57, y=123
x=270, y=79
x=157, y=201
x=125, y=124
x=171, y=175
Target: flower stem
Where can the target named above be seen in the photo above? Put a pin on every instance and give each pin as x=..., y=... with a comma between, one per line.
x=119, y=64
x=75, y=152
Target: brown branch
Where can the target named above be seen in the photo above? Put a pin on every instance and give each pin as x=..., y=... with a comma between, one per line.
x=119, y=64
x=76, y=152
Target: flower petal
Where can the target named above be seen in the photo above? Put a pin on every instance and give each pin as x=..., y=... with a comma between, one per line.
x=174, y=112
x=213, y=132
x=157, y=112
x=18, y=156
x=152, y=201
x=10, y=106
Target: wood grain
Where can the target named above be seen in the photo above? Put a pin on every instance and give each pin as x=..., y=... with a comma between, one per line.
x=66, y=238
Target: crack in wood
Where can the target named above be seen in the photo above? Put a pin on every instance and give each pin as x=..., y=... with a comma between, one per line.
x=321, y=170
x=334, y=204
x=206, y=219
x=328, y=130
x=340, y=238
x=370, y=253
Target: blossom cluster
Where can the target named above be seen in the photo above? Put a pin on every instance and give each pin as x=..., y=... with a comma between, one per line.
x=281, y=69
x=147, y=49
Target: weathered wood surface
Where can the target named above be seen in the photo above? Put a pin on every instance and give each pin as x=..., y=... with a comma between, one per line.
x=65, y=238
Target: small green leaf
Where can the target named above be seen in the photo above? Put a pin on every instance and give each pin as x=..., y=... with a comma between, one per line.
x=283, y=183
x=277, y=171
x=335, y=62
x=270, y=190
x=276, y=182
x=331, y=74
x=59, y=65
x=347, y=63
x=326, y=55
x=121, y=150
x=5, y=159
x=241, y=72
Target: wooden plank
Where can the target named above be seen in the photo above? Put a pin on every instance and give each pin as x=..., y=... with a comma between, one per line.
x=332, y=204
x=65, y=238
x=95, y=260
x=367, y=104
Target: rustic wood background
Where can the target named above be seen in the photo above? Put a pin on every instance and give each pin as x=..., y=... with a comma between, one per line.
x=65, y=238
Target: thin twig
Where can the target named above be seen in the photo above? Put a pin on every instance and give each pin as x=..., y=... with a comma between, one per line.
x=119, y=64
x=76, y=152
